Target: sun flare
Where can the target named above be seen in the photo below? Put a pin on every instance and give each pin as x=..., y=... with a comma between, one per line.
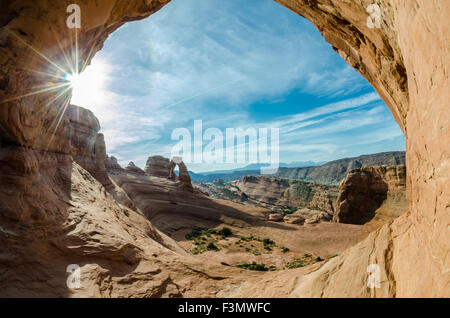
x=89, y=87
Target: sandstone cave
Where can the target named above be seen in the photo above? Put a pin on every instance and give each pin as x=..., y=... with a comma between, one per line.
x=64, y=201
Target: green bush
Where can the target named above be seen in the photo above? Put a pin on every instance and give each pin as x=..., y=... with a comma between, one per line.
x=284, y=249
x=193, y=235
x=288, y=211
x=212, y=247
x=268, y=241
x=225, y=232
x=307, y=259
x=256, y=267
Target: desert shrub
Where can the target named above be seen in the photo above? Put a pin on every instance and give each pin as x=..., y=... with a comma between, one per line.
x=256, y=267
x=307, y=259
x=268, y=241
x=225, y=232
x=198, y=250
x=194, y=234
x=288, y=211
x=284, y=249
x=212, y=247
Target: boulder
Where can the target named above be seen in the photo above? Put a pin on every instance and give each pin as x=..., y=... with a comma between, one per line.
x=293, y=219
x=276, y=217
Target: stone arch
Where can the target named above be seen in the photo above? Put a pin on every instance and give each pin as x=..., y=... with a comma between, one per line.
x=406, y=61
x=183, y=175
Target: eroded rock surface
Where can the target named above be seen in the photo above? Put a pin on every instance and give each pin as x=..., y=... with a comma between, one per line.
x=158, y=166
x=365, y=190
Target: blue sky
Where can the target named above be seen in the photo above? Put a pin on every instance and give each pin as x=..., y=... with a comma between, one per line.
x=230, y=64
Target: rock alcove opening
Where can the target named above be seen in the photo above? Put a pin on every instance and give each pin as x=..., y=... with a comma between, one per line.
x=136, y=86
x=409, y=72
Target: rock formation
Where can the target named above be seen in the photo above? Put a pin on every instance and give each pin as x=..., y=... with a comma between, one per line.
x=406, y=60
x=87, y=144
x=334, y=172
x=45, y=194
x=276, y=217
x=134, y=169
x=276, y=194
x=183, y=178
x=158, y=166
x=111, y=164
x=293, y=219
x=365, y=190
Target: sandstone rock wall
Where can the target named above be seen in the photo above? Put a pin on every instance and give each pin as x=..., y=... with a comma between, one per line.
x=406, y=60
x=87, y=144
x=34, y=34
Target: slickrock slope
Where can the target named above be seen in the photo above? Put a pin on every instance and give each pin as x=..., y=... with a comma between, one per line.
x=372, y=191
x=119, y=251
x=42, y=203
x=171, y=206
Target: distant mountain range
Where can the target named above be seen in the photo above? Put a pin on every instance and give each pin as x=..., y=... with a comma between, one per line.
x=258, y=166
x=328, y=173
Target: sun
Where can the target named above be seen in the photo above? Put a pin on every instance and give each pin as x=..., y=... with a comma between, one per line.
x=89, y=88
x=74, y=80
